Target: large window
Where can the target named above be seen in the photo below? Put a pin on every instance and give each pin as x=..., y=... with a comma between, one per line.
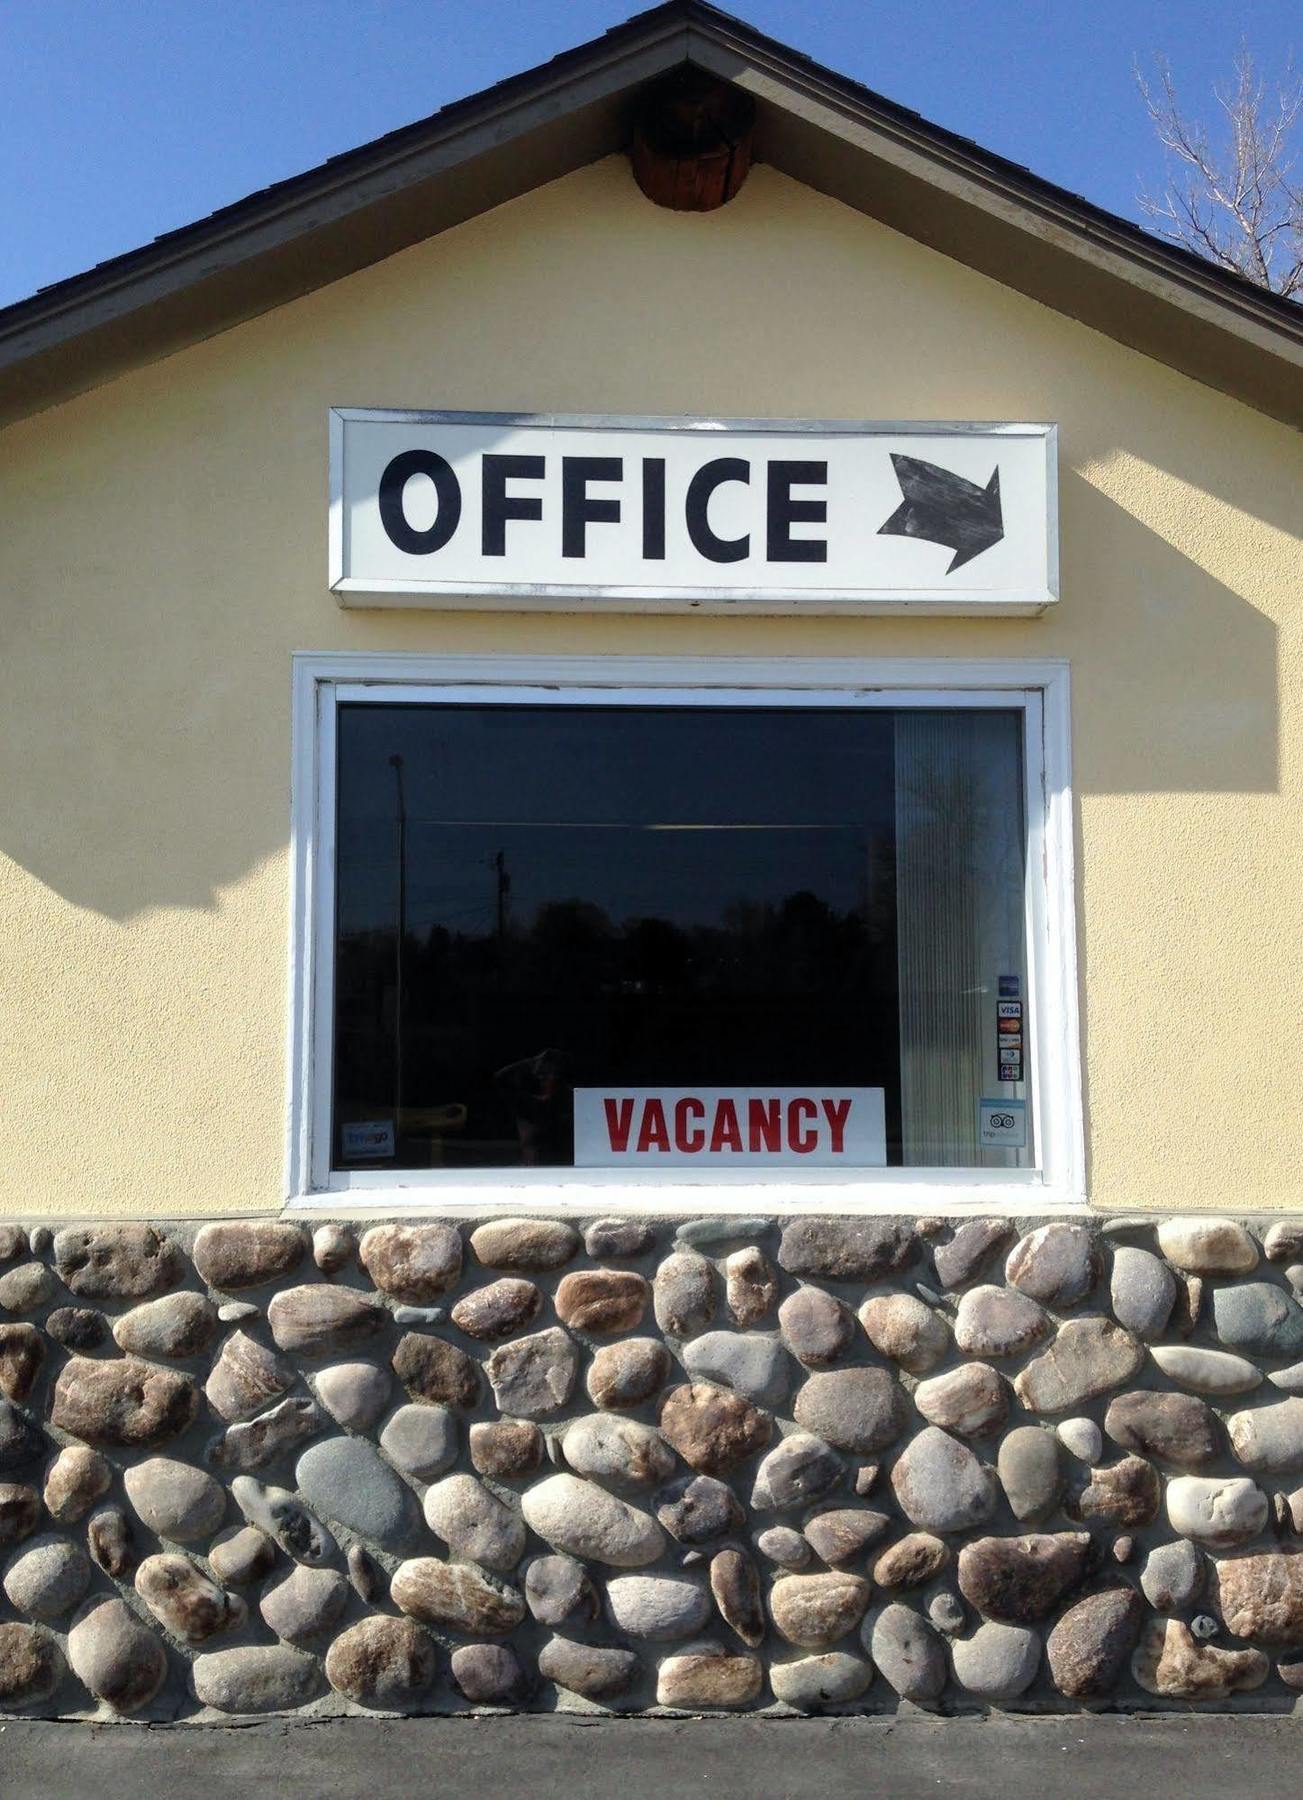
x=568, y=935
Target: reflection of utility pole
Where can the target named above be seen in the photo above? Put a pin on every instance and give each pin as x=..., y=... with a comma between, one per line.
x=499, y=866
x=396, y=764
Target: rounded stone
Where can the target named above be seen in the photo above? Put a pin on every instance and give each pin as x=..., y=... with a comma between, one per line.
x=858, y=1410
x=800, y=1469
x=999, y=1662
x=1258, y=1317
x=344, y=1479
x=1207, y=1246
x=1217, y=1511
x=13, y=1241
x=558, y=1591
x=109, y=1539
x=972, y=1400
x=124, y=1402
x=815, y=1326
x=332, y=1248
x=47, y=1578
x=432, y=1369
x=582, y=1519
x=524, y=1244
x=458, y=1596
x=618, y=1238
x=961, y=1259
x=319, y=1320
x=901, y=1327
x=1128, y=1493
x=304, y=1605
x=660, y=1607
x=1088, y=1357
x=997, y=1321
x=627, y=1373
x=601, y=1301
x=20, y=1508
x=117, y=1658
x=247, y=1253
x=1178, y=1428
x=184, y=1600
x=535, y=1375
x=243, y=1557
x=22, y=1354
x=116, y=1262
x=78, y=1477
x=712, y=1429
x=284, y=1518
x=619, y=1452
x=735, y=1584
x=911, y=1561
x=474, y=1523
x=815, y=1611
x=590, y=1670
x=174, y=1499
x=414, y=1263
x=940, y=1485
x=856, y=1249
x=1081, y=1438
x=907, y=1653
x=489, y=1675
x=499, y=1309
x=750, y=1288
x=174, y=1326
x=421, y=1441
x=1088, y=1648
x=246, y=1377
x=1261, y=1595
x=22, y=1441
x=271, y=1435
x=1206, y=1371
x=683, y=1294
x=507, y=1449
x=77, y=1327
x=256, y=1678
x=841, y=1532
x=366, y=1577
x=1056, y=1264
x=707, y=1679
x=1142, y=1291
x=1269, y=1439
x=1019, y=1581
x=31, y=1666
x=382, y=1663
x=698, y=1508
x=1031, y=1472
x=946, y=1613
x=1170, y=1661
x=784, y=1546
x=353, y=1393
x=1173, y=1576
x=811, y=1683
x=755, y=1367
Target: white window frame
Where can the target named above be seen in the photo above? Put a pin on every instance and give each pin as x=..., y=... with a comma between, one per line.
x=321, y=683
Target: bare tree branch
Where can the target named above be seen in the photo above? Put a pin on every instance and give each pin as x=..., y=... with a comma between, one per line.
x=1237, y=200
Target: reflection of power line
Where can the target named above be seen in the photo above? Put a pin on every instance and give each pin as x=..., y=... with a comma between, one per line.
x=499, y=867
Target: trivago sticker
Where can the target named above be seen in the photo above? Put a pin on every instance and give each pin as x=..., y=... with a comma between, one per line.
x=810, y=1127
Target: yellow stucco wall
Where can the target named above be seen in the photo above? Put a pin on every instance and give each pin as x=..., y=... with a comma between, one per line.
x=163, y=553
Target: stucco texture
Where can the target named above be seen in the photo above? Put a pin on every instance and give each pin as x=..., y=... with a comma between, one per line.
x=164, y=552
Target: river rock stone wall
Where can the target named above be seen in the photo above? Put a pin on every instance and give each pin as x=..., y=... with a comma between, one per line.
x=814, y=1464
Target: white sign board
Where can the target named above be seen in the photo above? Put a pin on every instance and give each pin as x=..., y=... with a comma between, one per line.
x=478, y=509
x=814, y=1128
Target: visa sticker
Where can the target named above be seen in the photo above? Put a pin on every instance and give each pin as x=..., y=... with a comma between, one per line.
x=1008, y=1009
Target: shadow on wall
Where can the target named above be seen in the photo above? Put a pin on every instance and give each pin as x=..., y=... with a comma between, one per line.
x=1175, y=689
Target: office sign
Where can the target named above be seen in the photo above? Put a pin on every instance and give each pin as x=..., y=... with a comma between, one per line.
x=813, y=1128
x=522, y=511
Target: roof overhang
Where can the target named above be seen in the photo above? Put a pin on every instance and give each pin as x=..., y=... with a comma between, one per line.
x=813, y=124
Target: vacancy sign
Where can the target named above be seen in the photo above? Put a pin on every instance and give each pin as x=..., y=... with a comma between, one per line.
x=814, y=1128
x=525, y=511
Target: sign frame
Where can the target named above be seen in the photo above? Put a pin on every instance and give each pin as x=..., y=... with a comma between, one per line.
x=515, y=596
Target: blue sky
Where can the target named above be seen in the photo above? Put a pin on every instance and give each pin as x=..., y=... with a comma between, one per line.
x=126, y=118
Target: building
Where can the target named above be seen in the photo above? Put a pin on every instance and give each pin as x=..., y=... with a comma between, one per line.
x=752, y=688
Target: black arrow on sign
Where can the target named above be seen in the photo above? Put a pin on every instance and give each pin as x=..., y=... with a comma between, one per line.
x=945, y=509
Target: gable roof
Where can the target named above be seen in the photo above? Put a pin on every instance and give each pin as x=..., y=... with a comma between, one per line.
x=813, y=124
